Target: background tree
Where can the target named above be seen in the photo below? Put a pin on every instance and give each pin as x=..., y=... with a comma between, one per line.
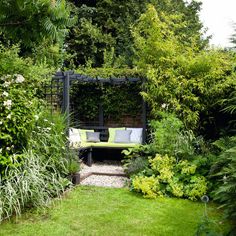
x=35, y=23
x=103, y=36
x=181, y=78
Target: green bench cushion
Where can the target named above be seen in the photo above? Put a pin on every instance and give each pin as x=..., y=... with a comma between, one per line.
x=108, y=144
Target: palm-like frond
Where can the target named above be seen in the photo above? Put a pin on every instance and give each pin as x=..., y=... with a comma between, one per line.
x=34, y=21
x=230, y=103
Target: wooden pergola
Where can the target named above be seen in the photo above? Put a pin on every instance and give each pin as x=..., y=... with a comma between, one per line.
x=67, y=78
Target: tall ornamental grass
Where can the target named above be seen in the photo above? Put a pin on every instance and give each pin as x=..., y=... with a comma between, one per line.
x=42, y=172
x=29, y=185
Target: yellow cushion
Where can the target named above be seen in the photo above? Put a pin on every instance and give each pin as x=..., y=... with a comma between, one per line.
x=112, y=132
x=83, y=134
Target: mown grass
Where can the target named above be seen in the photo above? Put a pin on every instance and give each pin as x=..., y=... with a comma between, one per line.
x=110, y=212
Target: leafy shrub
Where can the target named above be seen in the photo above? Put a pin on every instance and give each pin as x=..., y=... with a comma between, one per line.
x=169, y=177
x=136, y=165
x=136, y=159
x=169, y=137
x=147, y=185
x=20, y=81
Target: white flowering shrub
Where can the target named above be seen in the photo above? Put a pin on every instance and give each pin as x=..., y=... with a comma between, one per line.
x=20, y=82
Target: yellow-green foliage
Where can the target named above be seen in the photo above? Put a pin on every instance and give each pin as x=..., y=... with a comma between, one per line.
x=177, y=189
x=148, y=186
x=171, y=177
x=163, y=166
x=196, y=188
x=186, y=80
x=186, y=167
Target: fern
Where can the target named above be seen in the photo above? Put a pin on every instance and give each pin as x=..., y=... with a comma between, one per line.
x=224, y=170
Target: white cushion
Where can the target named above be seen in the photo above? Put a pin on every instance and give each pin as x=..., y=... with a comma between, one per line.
x=136, y=135
x=122, y=136
x=73, y=131
x=74, y=136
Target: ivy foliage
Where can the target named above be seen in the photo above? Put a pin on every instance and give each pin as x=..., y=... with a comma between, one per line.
x=110, y=72
x=116, y=100
x=187, y=81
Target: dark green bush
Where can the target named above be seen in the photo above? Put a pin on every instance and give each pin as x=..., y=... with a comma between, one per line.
x=224, y=174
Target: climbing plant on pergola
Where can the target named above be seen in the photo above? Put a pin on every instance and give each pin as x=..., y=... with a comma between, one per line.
x=59, y=94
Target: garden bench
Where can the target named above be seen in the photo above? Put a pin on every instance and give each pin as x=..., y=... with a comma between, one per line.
x=103, y=144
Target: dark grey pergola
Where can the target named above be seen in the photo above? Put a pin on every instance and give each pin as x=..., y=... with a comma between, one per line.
x=69, y=76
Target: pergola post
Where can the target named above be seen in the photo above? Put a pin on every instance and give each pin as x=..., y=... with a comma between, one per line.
x=66, y=98
x=101, y=115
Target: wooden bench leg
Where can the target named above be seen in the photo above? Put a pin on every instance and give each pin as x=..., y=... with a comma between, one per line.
x=90, y=157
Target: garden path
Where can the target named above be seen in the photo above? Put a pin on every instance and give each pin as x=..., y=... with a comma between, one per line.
x=105, y=174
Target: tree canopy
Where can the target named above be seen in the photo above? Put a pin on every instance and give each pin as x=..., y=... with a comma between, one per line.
x=181, y=78
x=102, y=36
x=35, y=23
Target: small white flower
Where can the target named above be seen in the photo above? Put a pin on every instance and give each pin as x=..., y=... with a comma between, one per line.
x=0, y=150
x=163, y=105
x=8, y=148
x=19, y=79
x=6, y=84
x=45, y=120
x=36, y=117
x=52, y=124
x=5, y=94
x=7, y=104
x=9, y=116
x=48, y=128
x=0, y=122
x=5, y=77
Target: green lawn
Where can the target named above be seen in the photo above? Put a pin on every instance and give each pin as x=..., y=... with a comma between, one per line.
x=110, y=212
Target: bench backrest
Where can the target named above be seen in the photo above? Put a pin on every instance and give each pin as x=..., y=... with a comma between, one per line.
x=104, y=132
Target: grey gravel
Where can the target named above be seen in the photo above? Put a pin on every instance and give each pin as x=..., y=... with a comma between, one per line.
x=105, y=181
x=102, y=167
